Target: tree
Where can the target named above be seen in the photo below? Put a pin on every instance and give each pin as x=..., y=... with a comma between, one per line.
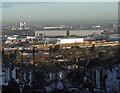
x=57, y=48
x=93, y=48
x=51, y=49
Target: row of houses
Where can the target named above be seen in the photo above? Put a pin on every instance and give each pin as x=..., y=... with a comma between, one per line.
x=15, y=39
x=106, y=76
x=106, y=79
x=25, y=73
x=103, y=78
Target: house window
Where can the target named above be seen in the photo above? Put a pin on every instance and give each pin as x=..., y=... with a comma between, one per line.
x=40, y=34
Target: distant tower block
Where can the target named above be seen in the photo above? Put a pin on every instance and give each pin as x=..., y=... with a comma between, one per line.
x=22, y=26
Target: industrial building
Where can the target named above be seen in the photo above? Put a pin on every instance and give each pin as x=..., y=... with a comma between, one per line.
x=48, y=28
x=113, y=37
x=69, y=40
x=66, y=32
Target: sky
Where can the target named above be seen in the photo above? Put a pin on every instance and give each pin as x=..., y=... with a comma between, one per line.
x=58, y=11
x=60, y=0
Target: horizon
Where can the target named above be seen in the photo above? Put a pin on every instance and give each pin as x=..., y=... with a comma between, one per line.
x=98, y=22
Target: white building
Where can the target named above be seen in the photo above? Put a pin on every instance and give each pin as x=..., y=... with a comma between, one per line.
x=52, y=28
x=30, y=37
x=70, y=40
x=11, y=37
x=96, y=27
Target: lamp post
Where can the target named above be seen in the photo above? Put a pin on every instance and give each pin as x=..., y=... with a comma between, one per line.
x=21, y=69
x=33, y=74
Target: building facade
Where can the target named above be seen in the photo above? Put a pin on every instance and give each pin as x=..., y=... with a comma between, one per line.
x=65, y=32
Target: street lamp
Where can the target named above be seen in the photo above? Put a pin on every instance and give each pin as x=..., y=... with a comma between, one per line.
x=21, y=69
x=33, y=74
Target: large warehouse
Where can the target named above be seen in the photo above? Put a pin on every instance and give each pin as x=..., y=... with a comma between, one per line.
x=69, y=40
x=65, y=33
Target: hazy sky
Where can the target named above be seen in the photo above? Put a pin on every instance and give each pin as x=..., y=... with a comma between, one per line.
x=75, y=11
x=60, y=0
